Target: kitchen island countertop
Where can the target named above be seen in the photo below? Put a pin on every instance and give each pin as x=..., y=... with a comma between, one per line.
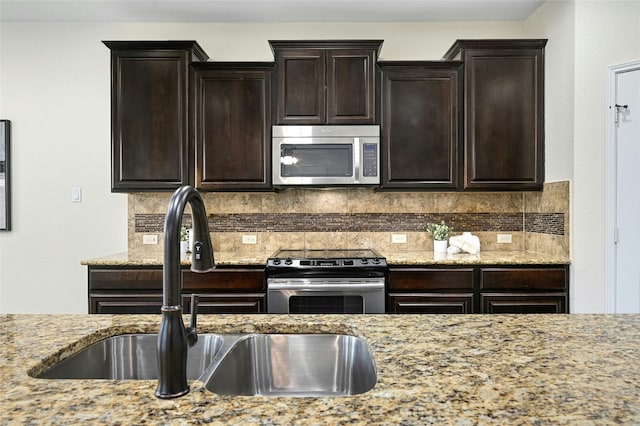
x=444, y=369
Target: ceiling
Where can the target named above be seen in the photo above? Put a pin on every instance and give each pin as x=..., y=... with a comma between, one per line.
x=264, y=10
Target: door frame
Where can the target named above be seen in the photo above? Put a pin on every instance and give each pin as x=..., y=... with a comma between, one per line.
x=610, y=181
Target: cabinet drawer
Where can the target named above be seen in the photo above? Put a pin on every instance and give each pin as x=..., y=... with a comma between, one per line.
x=246, y=303
x=521, y=279
x=431, y=279
x=224, y=279
x=430, y=303
x=125, y=303
x=125, y=279
x=516, y=303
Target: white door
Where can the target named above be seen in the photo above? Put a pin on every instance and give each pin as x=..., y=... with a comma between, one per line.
x=625, y=114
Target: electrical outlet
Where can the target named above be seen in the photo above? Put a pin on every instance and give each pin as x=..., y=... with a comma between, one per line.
x=150, y=239
x=504, y=238
x=399, y=238
x=249, y=239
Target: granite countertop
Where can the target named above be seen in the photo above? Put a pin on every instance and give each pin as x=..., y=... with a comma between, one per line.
x=222, y=258
x=445, y=369
x=398, y=258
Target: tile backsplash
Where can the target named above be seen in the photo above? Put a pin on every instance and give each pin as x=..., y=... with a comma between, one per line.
x=356, y=218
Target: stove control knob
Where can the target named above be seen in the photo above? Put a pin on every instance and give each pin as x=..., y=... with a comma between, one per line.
x=276, y=261
x=364, y=261
x=288, y=261
x=376, y=261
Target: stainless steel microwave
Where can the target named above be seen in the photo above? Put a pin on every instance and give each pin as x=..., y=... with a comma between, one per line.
x=326, y=155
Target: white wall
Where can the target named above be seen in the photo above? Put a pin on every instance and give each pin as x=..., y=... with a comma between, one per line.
x=585, y=37
x=555, y=22
x=54, y=86
x=606, y=33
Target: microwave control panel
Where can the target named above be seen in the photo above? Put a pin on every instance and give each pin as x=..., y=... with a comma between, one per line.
x=369, y=160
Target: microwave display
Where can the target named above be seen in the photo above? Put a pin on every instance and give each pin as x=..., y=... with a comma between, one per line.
x=327, y=160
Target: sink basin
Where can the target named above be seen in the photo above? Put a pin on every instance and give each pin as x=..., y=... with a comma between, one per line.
x=237, y=364
x=130, y=356
x=293, y=365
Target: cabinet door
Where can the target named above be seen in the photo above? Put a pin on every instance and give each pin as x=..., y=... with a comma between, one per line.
x=301, y=87
x=232, y=123
x=421, y=126
x=524, y=289
x=504, y=110
x=523, y=303
x=351, y=86
x=430, y=303
x=149, y=114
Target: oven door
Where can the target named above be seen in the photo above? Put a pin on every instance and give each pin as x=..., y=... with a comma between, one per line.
x=325, y=295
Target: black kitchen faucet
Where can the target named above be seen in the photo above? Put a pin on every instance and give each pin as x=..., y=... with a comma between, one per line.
x=174, y=339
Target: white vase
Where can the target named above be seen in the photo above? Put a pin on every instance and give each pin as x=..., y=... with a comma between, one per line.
x=184, y=248
x=439, y=246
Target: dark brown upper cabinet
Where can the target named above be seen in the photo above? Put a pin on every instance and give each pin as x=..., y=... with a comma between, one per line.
x=421, y=124
x=504, y=113
x=149, y=113
x=232, y=125
x=326, y=81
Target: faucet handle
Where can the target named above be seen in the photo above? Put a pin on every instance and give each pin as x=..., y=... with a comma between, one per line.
x=192, y=331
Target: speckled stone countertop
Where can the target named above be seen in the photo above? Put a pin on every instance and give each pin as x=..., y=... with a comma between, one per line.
x=482, y=258
x=443, y=369
x=397, y=258
x=222, y=258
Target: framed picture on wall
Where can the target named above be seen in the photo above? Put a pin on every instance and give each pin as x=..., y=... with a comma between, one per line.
x=5, y=186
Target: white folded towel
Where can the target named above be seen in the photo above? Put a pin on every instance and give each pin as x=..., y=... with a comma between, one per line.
x=466, y=242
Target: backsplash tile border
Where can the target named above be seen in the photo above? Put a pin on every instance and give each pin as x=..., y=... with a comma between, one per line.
x=545, y=223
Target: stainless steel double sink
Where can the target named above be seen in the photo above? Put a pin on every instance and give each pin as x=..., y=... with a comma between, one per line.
x=237, y=364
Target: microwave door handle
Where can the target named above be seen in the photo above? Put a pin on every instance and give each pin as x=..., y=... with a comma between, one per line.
x=356, y=159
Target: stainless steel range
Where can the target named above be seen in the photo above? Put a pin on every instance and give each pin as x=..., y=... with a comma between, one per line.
x=326, y=281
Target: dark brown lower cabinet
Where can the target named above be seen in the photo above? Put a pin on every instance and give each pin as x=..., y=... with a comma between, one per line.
x=138, y=290
x=430, y=290
x=125, y=303
x=523, y=303
x=225, y=303
x=430, y=303
x=479, y=289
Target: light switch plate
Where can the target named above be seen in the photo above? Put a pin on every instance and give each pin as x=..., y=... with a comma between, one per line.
x=76, y=195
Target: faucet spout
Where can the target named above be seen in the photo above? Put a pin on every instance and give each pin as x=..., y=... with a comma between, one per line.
x=174, y=338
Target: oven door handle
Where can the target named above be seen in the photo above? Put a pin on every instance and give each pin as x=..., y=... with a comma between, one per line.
x=351, y=287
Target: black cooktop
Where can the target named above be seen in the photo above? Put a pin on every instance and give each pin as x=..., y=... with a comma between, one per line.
x=326, y=258
x=327, y=254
